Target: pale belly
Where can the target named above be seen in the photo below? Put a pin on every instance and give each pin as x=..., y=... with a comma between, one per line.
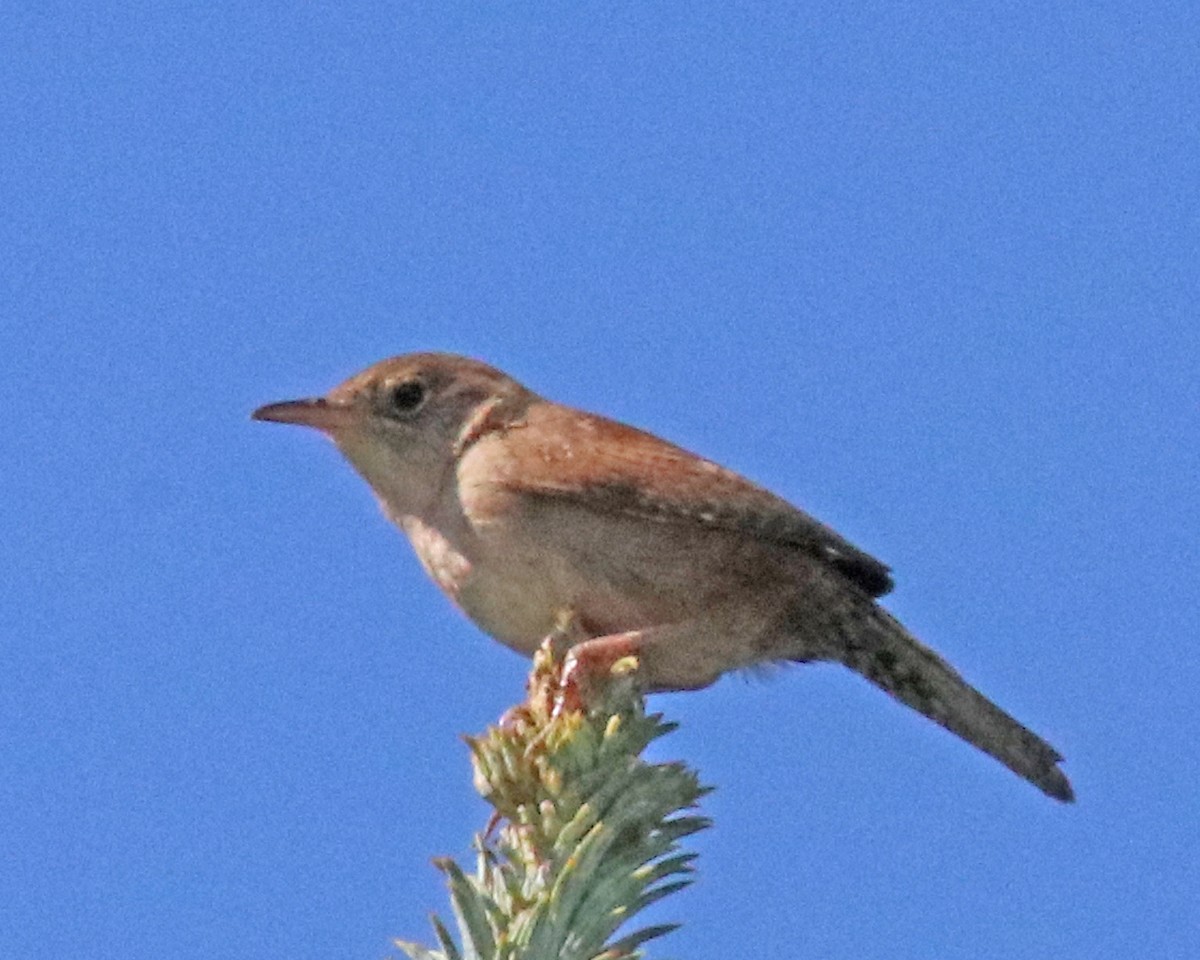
x=513, y=601
x=608, y=579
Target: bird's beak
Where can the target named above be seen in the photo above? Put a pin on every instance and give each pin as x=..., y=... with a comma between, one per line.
x=315, y=412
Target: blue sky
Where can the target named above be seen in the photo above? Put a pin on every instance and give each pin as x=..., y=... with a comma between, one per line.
x=929, y=272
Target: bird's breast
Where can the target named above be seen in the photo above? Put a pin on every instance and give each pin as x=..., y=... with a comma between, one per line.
x=511, y=598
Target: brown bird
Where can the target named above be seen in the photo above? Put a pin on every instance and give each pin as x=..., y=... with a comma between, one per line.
x=531, y=515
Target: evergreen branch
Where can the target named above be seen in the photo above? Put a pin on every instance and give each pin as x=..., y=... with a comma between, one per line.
x=590, y=831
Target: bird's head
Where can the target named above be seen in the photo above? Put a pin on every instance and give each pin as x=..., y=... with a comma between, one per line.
x=404, y=421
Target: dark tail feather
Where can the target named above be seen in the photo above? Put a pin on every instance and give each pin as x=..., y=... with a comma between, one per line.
x=891, y=658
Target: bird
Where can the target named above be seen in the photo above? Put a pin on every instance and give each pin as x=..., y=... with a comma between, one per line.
x=541, y=520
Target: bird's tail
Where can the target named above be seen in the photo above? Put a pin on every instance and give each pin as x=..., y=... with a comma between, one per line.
x=890, y=657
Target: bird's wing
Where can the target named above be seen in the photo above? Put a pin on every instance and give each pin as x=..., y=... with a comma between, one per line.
x=607, y=466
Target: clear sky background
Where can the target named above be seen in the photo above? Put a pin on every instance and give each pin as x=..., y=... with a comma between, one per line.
x=930, y=272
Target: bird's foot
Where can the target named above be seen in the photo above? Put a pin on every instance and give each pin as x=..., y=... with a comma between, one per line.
x=589, y=667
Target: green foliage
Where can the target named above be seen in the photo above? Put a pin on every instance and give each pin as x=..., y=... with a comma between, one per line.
x=590, y=831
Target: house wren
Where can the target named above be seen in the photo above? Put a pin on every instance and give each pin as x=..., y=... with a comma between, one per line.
x=531, y=515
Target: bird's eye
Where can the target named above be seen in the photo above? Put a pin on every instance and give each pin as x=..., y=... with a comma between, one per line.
x=406, y=397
